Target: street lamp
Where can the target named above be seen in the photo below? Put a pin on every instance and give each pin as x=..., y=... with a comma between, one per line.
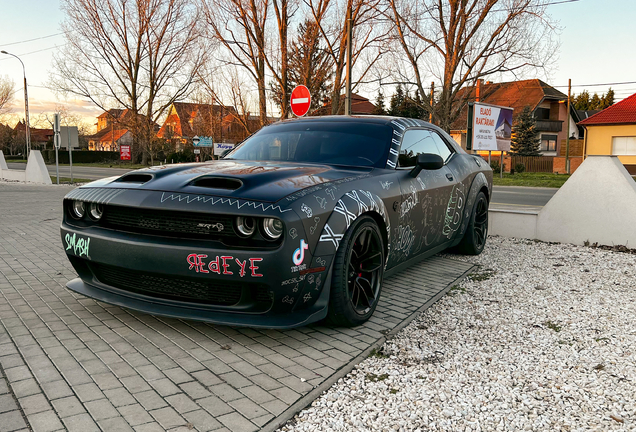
x=26, y=106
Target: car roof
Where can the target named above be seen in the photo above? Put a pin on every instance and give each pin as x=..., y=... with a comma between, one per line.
x=345, y=119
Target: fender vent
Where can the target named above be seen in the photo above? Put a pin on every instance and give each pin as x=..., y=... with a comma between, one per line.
x=135, y=178
x=217, y=183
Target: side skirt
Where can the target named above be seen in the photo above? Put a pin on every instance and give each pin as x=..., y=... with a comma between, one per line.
x=417, y=258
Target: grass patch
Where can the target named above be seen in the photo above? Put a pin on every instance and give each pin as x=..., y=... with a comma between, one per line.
x=68, y=180
x=394, y=391
x=375, y=378
x=377, y=353
x=479, y=277
x=531, y=180
x=456, y=289
x=553, y=326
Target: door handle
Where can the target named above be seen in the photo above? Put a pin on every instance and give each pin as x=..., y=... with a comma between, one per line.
x=449, y=177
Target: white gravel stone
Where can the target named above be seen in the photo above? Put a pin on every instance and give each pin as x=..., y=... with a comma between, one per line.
x=546, y=343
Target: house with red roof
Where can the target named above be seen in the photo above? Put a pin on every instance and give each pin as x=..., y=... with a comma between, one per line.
x=359, y=106
x=548, y=105
x=187, y=120
x=613, y=132
x=114, y=127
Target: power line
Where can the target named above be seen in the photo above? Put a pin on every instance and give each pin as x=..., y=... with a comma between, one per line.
x=32, y=52
x=31, y=40
x=597, y=85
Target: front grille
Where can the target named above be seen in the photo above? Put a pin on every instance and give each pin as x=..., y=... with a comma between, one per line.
x=168, y=223
x=184, y=289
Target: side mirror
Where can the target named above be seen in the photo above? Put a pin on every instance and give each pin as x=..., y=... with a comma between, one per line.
x=427, y=161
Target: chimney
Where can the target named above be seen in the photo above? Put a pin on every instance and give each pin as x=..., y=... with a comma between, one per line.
x=480, y=82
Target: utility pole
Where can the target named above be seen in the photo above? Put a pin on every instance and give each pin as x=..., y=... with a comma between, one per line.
x=347, y=109
x=567, y=138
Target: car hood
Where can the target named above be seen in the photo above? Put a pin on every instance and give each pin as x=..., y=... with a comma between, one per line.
x=260, y=181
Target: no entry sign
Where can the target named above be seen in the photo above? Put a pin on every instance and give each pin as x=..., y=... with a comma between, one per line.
x=300, y=100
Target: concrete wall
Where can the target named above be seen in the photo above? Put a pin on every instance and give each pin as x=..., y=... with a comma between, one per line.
x=512, y=223
x=599, y=140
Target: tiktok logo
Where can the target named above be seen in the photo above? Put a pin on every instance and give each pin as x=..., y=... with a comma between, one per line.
x=299, y=254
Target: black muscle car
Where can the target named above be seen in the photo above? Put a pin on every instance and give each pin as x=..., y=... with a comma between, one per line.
x=299, y=223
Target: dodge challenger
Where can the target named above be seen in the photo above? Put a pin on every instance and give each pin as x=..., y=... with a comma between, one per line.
x=299, y=223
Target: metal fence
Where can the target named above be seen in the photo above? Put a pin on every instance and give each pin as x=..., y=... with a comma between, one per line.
x=533, y=163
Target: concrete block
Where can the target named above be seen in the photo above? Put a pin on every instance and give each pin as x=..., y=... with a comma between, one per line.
x=36, y=171
x=512, y=223
x=597, y=204
x=3, y=163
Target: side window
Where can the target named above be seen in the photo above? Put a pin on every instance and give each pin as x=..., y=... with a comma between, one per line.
x=442, y=147
x=415, y=142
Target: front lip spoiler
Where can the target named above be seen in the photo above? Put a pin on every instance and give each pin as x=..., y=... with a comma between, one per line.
x=279, y=321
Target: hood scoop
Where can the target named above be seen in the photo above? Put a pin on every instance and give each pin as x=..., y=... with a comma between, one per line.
x=135, y=178
x=226, y=183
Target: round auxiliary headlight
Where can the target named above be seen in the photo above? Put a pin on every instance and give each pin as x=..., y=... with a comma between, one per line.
x=272, y=228
x=245, y=225
x=78, y=209
x=95, y=211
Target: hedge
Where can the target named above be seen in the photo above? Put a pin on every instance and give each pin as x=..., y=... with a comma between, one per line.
x=81, y=156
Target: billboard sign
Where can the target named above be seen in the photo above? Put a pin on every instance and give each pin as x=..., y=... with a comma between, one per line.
x=124, y=152
x=491, y=127
x=220, y=148
x=198, y=141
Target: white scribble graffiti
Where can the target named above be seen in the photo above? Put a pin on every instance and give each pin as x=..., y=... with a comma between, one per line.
x=386, y=184
x=313, y=229
x=342, y=209
x=409, y=203
x=405, y=239
x=305, y=208
x=288, y=299
x=453, y=212
x=322, y=202
x=331, y=192
x=421, y=183
x=214, y=201
x=361, y=204
x=306, y=298
x=293, y=233
x=330, y=236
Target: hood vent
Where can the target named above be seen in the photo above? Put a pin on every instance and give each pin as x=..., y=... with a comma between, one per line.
x=135, y=178
x=217, y=183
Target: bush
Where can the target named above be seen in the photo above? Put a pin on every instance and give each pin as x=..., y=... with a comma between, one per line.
x=81, y=156
x=519, y=168
x=494, y=165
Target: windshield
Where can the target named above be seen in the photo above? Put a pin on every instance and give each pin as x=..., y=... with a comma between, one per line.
x=337, y=143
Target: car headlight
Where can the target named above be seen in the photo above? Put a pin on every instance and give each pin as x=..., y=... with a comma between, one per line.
x=95, y=211
x=78, y=209
x=272, y=228
x=245, y=225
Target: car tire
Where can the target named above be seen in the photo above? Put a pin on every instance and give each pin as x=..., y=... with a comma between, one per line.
x=474, y=239
x=357, y=274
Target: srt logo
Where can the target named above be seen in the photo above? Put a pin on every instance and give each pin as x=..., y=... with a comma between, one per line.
x=217, y=226
x=299, y=254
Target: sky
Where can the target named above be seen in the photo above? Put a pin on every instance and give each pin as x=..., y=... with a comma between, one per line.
x=597, y=47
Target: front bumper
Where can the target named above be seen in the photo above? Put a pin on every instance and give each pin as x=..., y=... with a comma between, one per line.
x=136, y=261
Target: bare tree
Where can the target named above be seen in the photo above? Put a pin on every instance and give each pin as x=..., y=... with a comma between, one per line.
x=460, y=41
x=331, y=18
x=240, y=27
x=141, y=55
x=7, y=90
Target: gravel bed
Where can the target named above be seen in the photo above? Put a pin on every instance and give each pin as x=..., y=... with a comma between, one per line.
x=543, y=338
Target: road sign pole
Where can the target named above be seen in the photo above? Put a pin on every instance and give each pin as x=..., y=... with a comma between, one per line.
x=56, y=143
x=70, y=151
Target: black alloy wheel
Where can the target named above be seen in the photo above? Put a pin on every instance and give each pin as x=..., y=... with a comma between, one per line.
x=474, y=239
x=357, y=274
x=365, y=263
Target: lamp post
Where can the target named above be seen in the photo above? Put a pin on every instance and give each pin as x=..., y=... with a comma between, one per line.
x=26, y=106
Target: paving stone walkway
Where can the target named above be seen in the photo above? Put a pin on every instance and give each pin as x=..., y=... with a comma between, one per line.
x=75, y=364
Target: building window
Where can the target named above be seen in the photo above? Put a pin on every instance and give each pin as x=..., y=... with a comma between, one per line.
x=624, y=146
x=548, y=143
x=542, y=114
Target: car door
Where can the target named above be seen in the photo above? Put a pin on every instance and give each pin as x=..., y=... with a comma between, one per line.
x=425, y=198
